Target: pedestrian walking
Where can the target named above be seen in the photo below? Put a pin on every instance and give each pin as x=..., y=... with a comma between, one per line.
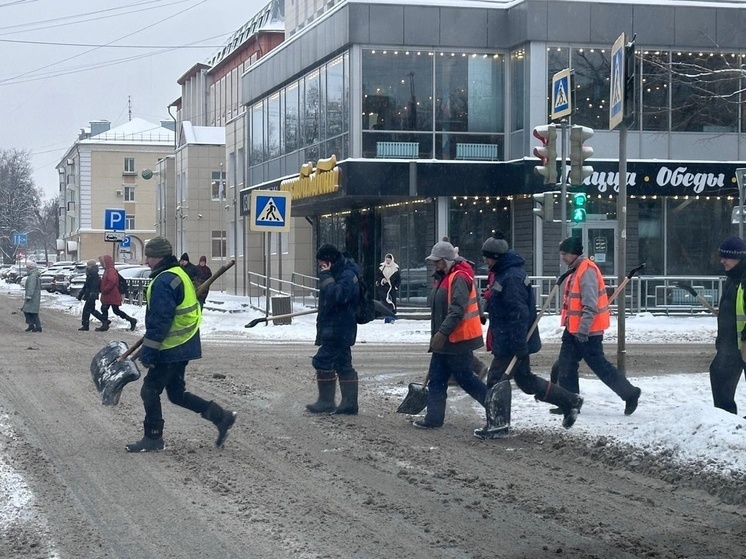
x=89, y=293
x=512, y=311
x=204, y=273
x=336, y=332
x=171, y=340
x=110, y=295
x=32, y=298
x=585, y=315
x=189, y=268
x=456, y=332
x=730, y=343
x=388, y=280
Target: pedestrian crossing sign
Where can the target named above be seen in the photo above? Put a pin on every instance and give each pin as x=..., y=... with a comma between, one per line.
x=561, y=95
x=270, y=211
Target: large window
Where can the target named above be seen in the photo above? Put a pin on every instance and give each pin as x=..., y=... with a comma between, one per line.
x=257, y=134
x=273, y=126
x=473, y=219
x=592, y=78
x=411, y=98
x=655, y=91
x=517, y=89
x=292, y=118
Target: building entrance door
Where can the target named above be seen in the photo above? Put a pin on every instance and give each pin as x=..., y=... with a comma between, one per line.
x=599, y=242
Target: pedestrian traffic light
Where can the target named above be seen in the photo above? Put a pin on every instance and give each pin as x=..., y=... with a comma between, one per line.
x=546, y=205
x=579, y=206
x=579, y=171
x=547, y=152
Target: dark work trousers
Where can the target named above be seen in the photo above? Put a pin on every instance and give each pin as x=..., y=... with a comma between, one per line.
x=32, y=319
x=442, y=366
x=115, y=310
x=334, y=357
x=592, y=352
x=521, y=373
x=171, y=377
x=90, y=309
x=725, y=372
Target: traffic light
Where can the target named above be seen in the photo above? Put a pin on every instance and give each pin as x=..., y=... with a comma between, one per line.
x=546, y=205
x=547, y=152
x=579, y=153
x=579, y=206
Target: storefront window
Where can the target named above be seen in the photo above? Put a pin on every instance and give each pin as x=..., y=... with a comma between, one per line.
x=311, y=109
x=292, y=118
x=257, y=134
x=273, y=126
x=335, y=107
x=592, y=73
x=397, y=90
x=655, y=91
x=650, y=229
x=517, y=89
x=558, y=58
x=472, y=219
x=701, y=92
x=695, y=229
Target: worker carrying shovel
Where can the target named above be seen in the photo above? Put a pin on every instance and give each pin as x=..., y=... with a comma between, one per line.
x=171, y=340
x=513, y=321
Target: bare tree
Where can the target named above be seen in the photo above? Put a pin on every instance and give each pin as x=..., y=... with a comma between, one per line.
x=46, y=226
x=18, y=197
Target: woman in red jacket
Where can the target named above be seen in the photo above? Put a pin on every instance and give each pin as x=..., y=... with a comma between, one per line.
x=110, y=296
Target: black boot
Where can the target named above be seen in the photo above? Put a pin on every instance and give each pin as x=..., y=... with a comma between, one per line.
x=348, y=388
x=104, y=326
x=133, y=324
x=631, y=402
x=497, y=410
x=568, y=402
x=152, y=440
x=223, y=420
x=327, y=383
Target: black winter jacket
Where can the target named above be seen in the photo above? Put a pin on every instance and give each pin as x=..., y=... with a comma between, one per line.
x=92, y=285
x=727, y=336
x=512, y=308
x=339, y=292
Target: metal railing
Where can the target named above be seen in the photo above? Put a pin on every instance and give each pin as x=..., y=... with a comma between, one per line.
x=297, y=288
x=403, y=150
x=483, y=152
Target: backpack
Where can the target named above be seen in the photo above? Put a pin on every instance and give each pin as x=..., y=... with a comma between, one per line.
x=366, y=310
x=123, y=286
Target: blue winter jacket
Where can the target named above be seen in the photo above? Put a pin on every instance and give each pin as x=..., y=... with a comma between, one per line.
x=339, y=292
x=160, y=313
x=512, y=308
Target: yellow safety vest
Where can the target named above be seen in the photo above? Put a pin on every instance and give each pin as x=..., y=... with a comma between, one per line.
x=740, y=313
x=188, y=313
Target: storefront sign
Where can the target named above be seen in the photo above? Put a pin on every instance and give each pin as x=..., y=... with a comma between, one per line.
x=324, y=179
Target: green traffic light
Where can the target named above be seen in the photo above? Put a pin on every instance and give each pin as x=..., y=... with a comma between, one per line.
x=578, y=215
x=579, y=200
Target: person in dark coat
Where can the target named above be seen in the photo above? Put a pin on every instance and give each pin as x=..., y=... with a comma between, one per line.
x=189, y=268
x=110, y=296
x=456, y=332
x=32, y=298
x=730, y=343
x=512, y=311
x=171, y=340
x=336, y=332
x=89, y=293
x=204, y=273
x=388, y=280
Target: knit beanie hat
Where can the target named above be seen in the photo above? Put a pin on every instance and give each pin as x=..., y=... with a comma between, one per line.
x=91, y=263
x=442, y=250
x=495, y=246
x=158, y=247
x=30, y=264
x=328, y=253
x=571, y=245
x=732, y=247
x=184, y=256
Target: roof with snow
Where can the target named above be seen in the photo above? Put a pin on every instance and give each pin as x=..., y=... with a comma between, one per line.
x=135, y=131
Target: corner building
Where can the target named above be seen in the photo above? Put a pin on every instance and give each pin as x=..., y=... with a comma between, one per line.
x=428, y=110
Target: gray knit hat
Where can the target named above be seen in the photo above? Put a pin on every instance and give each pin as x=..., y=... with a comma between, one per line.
x=158, y=247
x=442, y=250
x=495, y=246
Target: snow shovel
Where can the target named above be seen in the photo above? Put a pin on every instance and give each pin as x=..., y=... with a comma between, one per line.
x=112, y=370
x=693, y=292
x=263, y=319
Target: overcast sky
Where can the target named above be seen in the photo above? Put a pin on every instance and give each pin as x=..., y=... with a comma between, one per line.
x=51, y=86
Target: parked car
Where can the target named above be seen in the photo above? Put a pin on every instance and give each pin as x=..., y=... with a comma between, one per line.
x=47, y=276
x=78, y=280
x=61, y=282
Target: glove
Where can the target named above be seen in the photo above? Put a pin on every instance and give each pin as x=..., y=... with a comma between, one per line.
x=743, y=351
x=581, y=337
x=438, y=342
x=483, y=319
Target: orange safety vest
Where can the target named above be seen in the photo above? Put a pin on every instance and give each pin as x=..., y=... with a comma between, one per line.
x=470, y=326
x=572, y=309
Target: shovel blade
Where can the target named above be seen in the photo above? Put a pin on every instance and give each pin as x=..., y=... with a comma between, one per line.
x=110, y=375
x=415, y=400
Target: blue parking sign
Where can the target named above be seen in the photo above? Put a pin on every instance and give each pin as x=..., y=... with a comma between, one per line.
x=114, y=219
x=126, y=242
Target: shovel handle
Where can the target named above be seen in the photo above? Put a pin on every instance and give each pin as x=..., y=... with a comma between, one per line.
x=693, y=292
x=264, y=319
x=202, y=289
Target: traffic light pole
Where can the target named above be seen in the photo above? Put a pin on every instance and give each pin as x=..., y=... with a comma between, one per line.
x=622, y=225
x=564, y=127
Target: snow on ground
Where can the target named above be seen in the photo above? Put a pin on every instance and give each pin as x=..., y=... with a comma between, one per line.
x=687, y=428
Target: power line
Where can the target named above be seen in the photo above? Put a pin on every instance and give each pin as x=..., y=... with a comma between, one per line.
x=110, y=46
x=16, y=2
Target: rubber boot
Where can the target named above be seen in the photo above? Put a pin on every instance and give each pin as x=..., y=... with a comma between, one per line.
x=152, y=440
x=497, y=410
x=348, y=387
x=133, y=324
x=223, y=420
x=104, y=326
x=327, y=383
x=569, y=402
